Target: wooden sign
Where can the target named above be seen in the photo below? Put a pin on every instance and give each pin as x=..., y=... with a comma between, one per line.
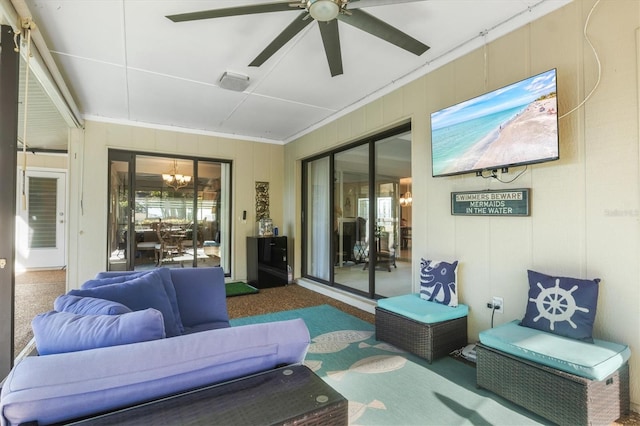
x=513, y=202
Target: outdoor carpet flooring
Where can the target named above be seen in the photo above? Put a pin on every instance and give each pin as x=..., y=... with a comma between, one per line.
x=385, y=385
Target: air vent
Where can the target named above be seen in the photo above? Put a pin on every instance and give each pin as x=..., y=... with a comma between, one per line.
x=235, y=82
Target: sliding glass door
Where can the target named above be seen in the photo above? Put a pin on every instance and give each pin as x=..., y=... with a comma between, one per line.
x=393, y=164
x=351, y=216
x=167, y=211
x=355, y=215
x=318, y=218
x=119, y=249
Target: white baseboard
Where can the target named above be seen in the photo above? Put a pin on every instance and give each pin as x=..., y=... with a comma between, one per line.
x=354, y=300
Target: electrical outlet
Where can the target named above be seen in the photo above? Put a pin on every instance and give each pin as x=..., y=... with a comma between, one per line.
x=498, y=303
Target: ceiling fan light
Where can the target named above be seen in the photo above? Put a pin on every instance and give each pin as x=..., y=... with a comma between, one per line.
x=323, y=10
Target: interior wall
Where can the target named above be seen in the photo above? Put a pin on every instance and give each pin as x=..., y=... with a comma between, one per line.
x=252, y=161
x=584, y=218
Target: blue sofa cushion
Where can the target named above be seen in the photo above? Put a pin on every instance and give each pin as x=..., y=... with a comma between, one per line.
x=59, y=332
x=561, y=305
x=414, y=307
x=594, y=361
x=106, y=278
x=88, y=306
x=201, y=296
x=111, y=277
x=438, y=282
x=41, y=389
x=145, y=291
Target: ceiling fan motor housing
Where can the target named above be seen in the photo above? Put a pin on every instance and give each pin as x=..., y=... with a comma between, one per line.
x=327, y=13
x=324, y=10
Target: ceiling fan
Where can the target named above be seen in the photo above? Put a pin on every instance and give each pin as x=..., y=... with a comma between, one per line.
x=327, y=13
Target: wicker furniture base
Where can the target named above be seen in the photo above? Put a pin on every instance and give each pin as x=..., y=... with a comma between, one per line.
x=429, y=341
x=563, y=398
x=291, y=395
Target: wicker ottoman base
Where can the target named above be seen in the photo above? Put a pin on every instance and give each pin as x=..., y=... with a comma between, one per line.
x=428, y=341
x=561, y=397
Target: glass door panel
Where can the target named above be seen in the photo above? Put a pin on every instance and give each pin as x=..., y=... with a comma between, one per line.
x=393, y=165
x=351, y=218
x=211, y=241
x=406, y=218
x=164, y=192
x=317, y=220
x=118, y=241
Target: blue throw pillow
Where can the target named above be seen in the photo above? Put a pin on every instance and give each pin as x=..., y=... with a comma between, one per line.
x=145, y=291
x=112, y=277
x=88, y=306
x=59, y=332
x=117, y=277
x=439, y=282
x=202, y=296
x=561, y=305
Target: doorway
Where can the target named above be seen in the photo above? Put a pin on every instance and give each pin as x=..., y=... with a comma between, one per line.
x=40, y=219
x=168, y=211
x=357, y=216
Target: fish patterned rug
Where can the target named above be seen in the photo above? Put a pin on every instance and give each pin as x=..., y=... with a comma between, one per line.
x=387, y=386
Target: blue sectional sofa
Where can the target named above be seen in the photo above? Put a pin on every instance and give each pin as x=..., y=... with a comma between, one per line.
x=94, y=363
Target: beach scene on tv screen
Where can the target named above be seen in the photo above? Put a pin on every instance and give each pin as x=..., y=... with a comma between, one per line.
x=513, y=125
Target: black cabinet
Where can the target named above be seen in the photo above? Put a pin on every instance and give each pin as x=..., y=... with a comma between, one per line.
x=267, y=261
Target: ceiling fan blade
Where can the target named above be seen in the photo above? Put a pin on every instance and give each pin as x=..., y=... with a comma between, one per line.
x=369, y=23
x=287, y=34
x=331, y=41
x=232, y=11
x=357, y=4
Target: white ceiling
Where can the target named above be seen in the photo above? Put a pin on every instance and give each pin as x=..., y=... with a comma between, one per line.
x=125, y=62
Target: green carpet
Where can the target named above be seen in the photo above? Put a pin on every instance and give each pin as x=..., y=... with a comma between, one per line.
x=387, y=386
x=239, y=288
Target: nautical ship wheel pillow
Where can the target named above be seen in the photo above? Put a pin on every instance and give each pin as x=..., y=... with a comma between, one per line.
x=561, y=305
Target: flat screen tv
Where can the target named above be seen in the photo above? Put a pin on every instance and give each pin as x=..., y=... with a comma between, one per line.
x=511, y=126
